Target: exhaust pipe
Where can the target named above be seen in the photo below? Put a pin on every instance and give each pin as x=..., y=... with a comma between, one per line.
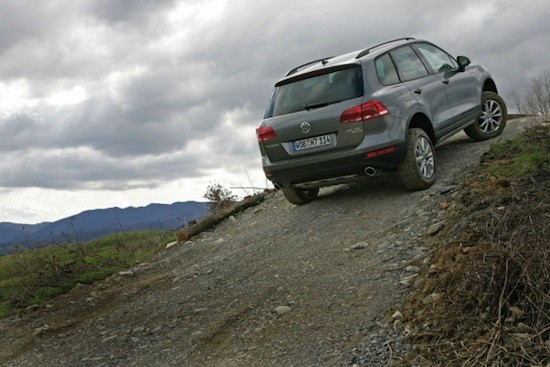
x=370, y=171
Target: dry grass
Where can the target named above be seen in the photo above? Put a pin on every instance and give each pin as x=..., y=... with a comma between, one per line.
x=491, y=267
x=32, y=277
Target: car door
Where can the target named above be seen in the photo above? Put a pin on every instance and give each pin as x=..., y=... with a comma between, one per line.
x=427, y=88
x=460, y=86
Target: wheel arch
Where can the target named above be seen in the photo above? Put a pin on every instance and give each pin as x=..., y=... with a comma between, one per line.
x=489, y=86
x=421, y=121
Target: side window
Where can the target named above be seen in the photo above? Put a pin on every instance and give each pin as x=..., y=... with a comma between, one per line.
x=345, y=85
x=438, y=59
x=408, y=64
x=385, y=70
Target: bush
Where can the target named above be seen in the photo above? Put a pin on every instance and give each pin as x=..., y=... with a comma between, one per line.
x=219, y=197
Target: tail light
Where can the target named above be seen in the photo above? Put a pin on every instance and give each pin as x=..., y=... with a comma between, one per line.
x=363, y=112
x=265, y=133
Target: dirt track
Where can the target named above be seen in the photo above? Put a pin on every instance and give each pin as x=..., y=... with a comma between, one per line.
x=277, y=285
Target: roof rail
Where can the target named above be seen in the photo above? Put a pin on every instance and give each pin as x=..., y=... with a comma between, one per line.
x=367, y=50
x=295, y=70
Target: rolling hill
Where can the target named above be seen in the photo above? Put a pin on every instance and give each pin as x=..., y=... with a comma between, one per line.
x=92, y=224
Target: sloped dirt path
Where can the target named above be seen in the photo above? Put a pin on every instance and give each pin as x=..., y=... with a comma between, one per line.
x=276, y=285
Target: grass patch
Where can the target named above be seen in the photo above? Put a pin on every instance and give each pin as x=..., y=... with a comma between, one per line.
x=485, y=300
x=33, y=277
x=521, y=156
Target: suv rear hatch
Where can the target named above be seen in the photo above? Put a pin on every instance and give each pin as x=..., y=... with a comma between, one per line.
x=310, y=114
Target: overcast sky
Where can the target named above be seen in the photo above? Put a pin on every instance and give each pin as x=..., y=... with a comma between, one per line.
x=109, y=103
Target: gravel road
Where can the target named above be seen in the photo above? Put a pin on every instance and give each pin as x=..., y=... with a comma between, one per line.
x=276, y=285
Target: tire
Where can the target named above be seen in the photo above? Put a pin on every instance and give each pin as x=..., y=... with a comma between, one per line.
x=299, y=196
x=417, y=171
x=493, y=118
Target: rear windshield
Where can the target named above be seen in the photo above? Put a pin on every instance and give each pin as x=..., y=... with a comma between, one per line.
x=316, y=91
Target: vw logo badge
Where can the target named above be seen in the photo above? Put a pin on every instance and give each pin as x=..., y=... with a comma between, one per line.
x=305, y=127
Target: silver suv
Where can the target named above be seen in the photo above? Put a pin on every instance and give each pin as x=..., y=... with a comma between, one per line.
x=383, y=108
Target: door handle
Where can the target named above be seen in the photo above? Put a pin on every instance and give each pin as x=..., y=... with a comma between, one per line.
x=418, y=91
x=446, y=81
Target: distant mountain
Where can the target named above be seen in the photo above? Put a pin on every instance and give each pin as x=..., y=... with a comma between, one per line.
x=10, y=232
x=92, y=224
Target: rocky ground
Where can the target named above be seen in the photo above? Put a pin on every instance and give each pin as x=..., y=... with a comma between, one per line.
x=275, y=285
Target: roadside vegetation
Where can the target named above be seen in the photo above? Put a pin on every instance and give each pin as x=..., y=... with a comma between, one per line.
x=536, y=101
x=32, y=277
x=218, y=197
x=485, y=296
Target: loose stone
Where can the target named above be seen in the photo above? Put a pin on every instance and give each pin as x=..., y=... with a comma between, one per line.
x=126, y=273
x=434, y=228
x=412, y=269
x=359, y=246
x=446, y=189
x=171, y=244
x=397, y=315
x=281, y=310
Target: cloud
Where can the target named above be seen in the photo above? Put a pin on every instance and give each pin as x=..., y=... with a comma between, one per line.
x=119, y=95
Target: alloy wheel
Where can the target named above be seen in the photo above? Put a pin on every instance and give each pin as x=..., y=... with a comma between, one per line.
x=491, y=116
x=425, y=157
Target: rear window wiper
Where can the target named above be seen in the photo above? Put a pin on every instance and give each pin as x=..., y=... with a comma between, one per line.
x=313, y=106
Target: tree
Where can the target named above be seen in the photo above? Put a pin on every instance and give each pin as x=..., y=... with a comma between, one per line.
x=518, y=101
x=218, y=197
x=537, y=99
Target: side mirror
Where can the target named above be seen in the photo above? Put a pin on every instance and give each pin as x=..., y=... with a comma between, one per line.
x=463, y=61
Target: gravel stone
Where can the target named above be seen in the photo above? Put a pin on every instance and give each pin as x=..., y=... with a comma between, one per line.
x=434, y=228
x=281, y=310
x=359, y=246
x=445, y=189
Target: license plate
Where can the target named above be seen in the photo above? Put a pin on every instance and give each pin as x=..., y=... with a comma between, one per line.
x=311, y=142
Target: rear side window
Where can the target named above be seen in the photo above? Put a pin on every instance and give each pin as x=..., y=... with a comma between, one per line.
x=438, y=59
x=408, y=64
x=316, y=91
x=385, y=70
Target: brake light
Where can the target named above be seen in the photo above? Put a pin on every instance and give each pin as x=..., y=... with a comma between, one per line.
x=351, y=115
x=264, y=133
x=363, y=112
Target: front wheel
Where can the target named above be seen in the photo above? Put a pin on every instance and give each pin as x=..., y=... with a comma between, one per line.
x=299, y=196
x=417, y=171
x=492, y=120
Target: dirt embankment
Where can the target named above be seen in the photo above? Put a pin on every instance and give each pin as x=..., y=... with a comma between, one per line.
x=275, y=285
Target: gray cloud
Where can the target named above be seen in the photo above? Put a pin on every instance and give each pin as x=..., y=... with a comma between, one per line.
x=131, y=13
x=170, y=95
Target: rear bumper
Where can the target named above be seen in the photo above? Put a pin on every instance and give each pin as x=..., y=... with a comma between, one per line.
x=330, y=169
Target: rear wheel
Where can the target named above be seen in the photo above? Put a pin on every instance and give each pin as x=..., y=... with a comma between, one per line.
x=492, y=120
x=299, y=196
x=417, y=171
